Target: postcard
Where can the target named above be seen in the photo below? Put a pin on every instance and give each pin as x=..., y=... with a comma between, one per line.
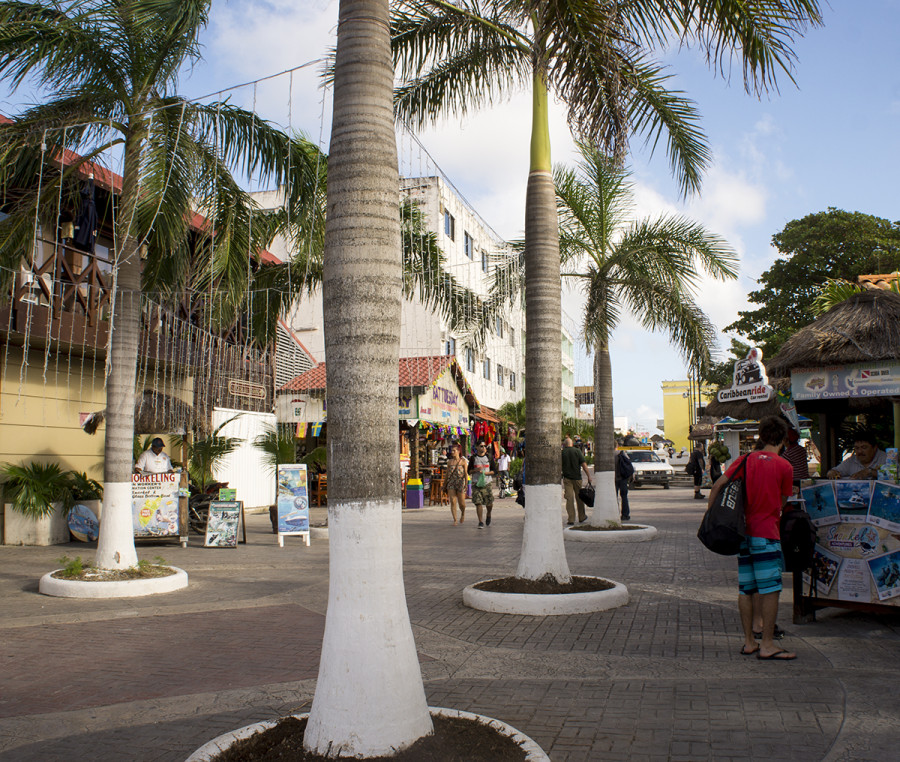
x=821, y=503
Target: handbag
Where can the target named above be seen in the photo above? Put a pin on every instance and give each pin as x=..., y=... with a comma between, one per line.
x=722, y=528
x=586, y=494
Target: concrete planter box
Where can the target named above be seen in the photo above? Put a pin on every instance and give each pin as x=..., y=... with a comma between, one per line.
x=24, y=530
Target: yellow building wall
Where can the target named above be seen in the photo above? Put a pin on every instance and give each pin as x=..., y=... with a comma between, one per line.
x=40, y=406
x=677, y=411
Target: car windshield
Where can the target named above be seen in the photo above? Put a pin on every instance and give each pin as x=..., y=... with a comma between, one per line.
x=643, y=456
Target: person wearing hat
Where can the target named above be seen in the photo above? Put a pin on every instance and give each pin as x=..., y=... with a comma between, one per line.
x=154, y=460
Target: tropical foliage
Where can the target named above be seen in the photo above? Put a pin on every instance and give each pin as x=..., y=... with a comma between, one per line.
x=277, y=446
x=206, y=453
x=834, y=244
x=35, y=488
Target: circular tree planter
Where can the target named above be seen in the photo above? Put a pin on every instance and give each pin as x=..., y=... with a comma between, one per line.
x=318, y=532
x=533, y=752
x=623, y=533
x=546, y=604
x=127, y=588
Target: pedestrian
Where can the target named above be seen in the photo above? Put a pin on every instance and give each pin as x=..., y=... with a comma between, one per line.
x=573, y=463
x=768, y=480
x=482, y=468
x=796, y=456
x=503, y=471
x=457, y=476
x=624, y=472
x=695, y=467
x=715, y=469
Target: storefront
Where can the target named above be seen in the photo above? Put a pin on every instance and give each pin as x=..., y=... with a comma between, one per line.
x=435, y=406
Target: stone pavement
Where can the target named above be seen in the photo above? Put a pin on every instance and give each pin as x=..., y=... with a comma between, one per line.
x=660, y=679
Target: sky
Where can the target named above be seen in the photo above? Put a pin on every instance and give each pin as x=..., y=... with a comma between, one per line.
x=830, y=140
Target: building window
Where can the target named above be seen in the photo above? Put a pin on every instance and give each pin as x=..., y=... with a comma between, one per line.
x=449, y=225
x=500, y=327
x=484, y=260
x=470, y=360
x=469, y=246
x=487, y=368
x=500, y=375
x=450, y=347
x=512, y=381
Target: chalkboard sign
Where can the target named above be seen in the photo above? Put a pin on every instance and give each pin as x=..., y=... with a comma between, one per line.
x=222, y=523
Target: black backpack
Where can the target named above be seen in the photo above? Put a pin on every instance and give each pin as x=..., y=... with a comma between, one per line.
x=798, y=539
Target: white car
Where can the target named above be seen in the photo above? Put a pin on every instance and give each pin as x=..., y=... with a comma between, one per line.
x=650, y=468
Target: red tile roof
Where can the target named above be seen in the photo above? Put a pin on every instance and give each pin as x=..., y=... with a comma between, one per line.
x=413, y=372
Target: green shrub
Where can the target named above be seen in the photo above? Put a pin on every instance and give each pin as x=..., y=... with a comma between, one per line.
x=32, y=489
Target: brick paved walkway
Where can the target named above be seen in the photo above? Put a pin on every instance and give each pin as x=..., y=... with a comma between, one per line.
x=659, y=679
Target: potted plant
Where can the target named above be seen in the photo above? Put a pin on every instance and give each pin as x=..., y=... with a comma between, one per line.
x=37, y=497
x=87, y=492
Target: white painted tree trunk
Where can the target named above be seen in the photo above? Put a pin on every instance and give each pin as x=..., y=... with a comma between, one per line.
x=115, y=546
x=606, y=503
x=543, y=546
x=369, y=695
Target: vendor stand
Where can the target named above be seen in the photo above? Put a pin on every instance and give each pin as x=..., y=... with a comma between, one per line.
x=847, y=363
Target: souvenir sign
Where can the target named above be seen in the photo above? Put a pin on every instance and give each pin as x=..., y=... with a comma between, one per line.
x=83, y=524
x=222, y=523
x=154, y=499
x=293, y=501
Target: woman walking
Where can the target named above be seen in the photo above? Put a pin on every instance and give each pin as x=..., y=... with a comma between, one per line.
x=457, y=473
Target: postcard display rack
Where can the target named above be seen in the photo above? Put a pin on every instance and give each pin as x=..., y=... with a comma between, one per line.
x=857, y=555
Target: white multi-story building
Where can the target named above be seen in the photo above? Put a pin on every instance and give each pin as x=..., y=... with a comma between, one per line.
x=495, y=369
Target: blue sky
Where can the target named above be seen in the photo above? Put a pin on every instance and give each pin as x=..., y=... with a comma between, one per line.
x=831, y=140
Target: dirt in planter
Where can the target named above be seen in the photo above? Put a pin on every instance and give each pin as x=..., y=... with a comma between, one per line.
x=545, y=586
x=91, y=574
x=614, y=528
x=453, y=740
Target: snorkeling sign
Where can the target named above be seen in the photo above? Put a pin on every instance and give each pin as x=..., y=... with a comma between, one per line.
x=750, y=381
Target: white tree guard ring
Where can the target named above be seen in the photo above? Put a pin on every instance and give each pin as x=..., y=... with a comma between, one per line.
x=536, y=604
x=533, y=752
x=126, y=588
x=644, y=534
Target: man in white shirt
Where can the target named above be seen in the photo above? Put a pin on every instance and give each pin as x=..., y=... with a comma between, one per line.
x=154, y=460
x=863, y=463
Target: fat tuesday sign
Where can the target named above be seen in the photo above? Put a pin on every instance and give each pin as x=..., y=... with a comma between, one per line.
x=750, y=381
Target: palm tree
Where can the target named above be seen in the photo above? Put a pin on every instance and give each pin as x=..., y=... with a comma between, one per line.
x=454, y=56
x=368, y=652
x=109, y=69
x=648, y=267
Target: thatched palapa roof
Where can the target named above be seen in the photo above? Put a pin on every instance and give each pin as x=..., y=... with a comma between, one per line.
x=864, y=328
x=155, y=413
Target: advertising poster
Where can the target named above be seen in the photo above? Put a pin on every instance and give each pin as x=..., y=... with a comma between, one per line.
x=885, y=572
x=154, y=503
x=853, y=499
x=854, y=582
x=884, y=510
x=222, y=524
x=826, y=565
x=821, y=504
x=293, y=499
x=83, y=523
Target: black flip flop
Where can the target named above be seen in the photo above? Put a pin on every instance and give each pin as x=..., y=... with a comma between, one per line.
x=776, y=656
x=745, y=652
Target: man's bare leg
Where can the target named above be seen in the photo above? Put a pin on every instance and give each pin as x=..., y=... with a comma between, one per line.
x=745, y=607
x=768, y=604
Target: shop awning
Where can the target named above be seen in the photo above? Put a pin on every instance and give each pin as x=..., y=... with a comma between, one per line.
x=488, y=414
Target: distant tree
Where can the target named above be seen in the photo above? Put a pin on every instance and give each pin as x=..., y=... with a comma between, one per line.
x=829, y=244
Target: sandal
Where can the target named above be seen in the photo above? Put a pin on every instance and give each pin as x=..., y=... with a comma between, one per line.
x=779, y=655
x=745, y=652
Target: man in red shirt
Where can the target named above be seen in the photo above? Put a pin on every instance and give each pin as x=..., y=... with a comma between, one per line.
x=760, y=562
